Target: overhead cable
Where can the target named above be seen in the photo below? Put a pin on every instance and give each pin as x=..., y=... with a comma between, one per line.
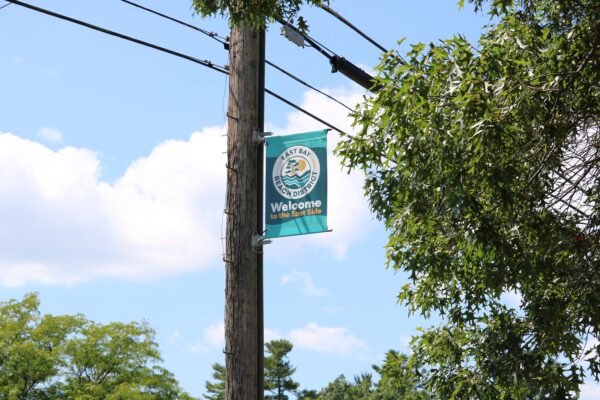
x=226, y=45
x=204, y=63
x=6, y=5
x=306, y=84
x=338, y=63
x=351, y=26
x=212, y=35
x=289, y=103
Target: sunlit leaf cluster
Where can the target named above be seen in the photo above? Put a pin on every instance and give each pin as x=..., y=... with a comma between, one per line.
x=46, y=357
x=483, y=160
x=257, y=12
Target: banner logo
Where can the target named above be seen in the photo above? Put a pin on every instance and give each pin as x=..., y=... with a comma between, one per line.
x=296, y=172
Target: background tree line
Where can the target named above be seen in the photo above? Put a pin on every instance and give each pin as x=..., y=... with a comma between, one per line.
x=397, y=380
x=47, y=357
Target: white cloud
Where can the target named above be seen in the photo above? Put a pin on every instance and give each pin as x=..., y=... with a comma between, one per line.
x=198, y=347
x=322, y=339
x=512, y=298
x=590, y=391
x=50, y=135
x=404, y=342
x=304, y=281
x=54, y=73
x=333, y=310
x=62, y=225
x=174, y=337
x=271, y=334
x=213, y=337
x=336, y=340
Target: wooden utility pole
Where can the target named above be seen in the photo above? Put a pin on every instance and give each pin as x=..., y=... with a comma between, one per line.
x=243, y=293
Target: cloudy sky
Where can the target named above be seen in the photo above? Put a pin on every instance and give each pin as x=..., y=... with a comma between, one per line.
x=112, y=182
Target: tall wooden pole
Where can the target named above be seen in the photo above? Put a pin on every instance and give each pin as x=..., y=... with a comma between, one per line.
x=243, y=303
x=259, y=215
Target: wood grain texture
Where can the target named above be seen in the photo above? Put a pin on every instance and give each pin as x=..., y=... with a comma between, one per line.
x=241, y=321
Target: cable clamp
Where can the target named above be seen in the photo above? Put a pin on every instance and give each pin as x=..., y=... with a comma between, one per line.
x=259, y=240
x=292, y=35
x=259, y=137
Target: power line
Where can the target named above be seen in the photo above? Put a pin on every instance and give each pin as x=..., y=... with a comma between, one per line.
x=354, y=28
x=306, y=84
x=212, y=35
x=204, y=63
x=6, y=5
x=223, y=41
x=313, y=41
x=289, y=103
x=338, y=63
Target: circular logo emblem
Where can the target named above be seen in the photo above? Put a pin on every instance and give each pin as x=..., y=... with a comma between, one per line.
x=296, y=172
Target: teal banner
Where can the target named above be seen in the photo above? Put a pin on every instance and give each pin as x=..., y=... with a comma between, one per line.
x=296, y=184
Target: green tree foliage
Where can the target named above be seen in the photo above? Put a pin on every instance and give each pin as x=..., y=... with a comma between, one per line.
x=278, y=375
x=307, y=394
x=216, y=389
x=484, y=164
x=338, y=389
x=31, y=349
x=341, y=389
x=256, y=12
x=69, y=357
x=398, y=379
x=279, y=370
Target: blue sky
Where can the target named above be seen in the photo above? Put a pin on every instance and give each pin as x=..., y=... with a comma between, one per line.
x=112, y=181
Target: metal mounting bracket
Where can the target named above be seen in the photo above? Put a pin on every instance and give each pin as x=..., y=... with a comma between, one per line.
x=259, y=137
x=259, y=240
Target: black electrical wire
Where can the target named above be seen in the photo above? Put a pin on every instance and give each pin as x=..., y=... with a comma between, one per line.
x=306, y=84
x=313, y=41
x=351, y=26
x=364, y=35
x=6, y=5
x=226, y=44
x=204, y=63
x=289, y=103
x=212, y=35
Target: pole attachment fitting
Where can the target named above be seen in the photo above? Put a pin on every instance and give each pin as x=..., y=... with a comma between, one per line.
x=258, y=137
x=258, y=241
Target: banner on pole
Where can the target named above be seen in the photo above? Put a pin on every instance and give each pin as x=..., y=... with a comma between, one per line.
x=296, y=184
